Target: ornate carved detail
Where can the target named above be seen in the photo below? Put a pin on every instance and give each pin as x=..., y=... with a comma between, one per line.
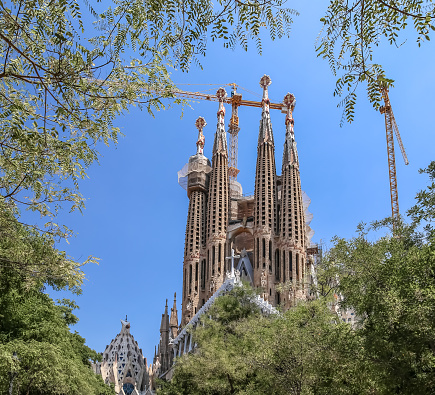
x=200, y=124
x=263, y=280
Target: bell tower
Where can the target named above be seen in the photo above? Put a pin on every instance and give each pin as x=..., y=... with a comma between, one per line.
x=265, y=199
x=292, y=224
x=218, y=204
x=197, y=173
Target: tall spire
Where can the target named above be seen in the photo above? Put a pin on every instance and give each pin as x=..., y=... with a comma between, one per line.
x=265, y=197
x=290, y=154
x=173, y=322
x=200, y=123
x=220, y=140
x=265, y=135
x=218, y=205
x=164, y=326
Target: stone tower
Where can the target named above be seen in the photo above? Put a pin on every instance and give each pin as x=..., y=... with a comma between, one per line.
x=292, y=232
x=197, y=171
x=268, y=231
x=218, y=205
x=265, y=200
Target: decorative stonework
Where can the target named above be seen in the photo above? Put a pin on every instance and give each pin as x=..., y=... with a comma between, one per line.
x=124, y=365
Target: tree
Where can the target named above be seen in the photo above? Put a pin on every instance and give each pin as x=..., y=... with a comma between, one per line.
x=38, y=353
x=352, y=31
x=390, y=284
x=242, y=352
x=63, y=86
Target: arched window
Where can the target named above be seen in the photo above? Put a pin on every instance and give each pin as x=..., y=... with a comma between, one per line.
x=264, y=248
x=190, y=279
x=283, y=266
x=277, y=265
x=258, y=253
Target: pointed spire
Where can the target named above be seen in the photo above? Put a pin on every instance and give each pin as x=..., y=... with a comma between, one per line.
x=220, y=139
x=290, y=154
x=265, y=135
x=200, y=124
x=164, y=326
x=173, y=322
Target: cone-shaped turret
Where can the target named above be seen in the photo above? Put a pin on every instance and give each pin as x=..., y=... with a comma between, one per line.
x=164, y=325
x=218, y=204
x=164, y=352
x=292, y=226
x=265, y=197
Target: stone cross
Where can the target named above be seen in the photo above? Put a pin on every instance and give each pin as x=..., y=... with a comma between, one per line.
x=232, y=261
x=200, y=124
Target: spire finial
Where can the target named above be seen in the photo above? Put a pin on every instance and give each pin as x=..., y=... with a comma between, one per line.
x=265, y=83
x=289, y=102
x=200, y=124
x=126, y=317
x=221, y=95
x=290, y=155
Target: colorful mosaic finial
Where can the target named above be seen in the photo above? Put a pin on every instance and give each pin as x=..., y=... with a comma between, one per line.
x=265, y=83
x=289, y=102
x=200, y=124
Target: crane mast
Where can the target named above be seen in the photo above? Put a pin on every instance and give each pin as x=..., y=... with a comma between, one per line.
x=233, y=131
x=391, y=129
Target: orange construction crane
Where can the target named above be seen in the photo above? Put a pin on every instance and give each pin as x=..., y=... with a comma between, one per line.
x=236, y=101
x=390, y=126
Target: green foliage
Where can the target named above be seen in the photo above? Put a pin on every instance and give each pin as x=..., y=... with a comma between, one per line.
x=31, y=255
x=300, y=352
x=353, y=29
x=390, y=283
x=423, y=212
x=37, y=350
x=62, y=87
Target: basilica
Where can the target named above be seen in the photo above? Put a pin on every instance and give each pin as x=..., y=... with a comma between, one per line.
x=263, y=239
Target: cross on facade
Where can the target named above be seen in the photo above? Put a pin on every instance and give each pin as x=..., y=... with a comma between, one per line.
x=232, y=261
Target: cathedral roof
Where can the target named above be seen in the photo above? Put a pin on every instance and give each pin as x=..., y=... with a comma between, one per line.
x=123, y=361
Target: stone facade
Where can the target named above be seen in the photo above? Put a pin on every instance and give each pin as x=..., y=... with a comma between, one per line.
x=268, y=231
x=124, y=365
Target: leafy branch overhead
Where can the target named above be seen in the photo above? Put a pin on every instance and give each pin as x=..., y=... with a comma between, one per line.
x=63, y=86
x=354, y=29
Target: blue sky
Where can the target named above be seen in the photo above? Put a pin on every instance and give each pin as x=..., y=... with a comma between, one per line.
x=136, y=212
